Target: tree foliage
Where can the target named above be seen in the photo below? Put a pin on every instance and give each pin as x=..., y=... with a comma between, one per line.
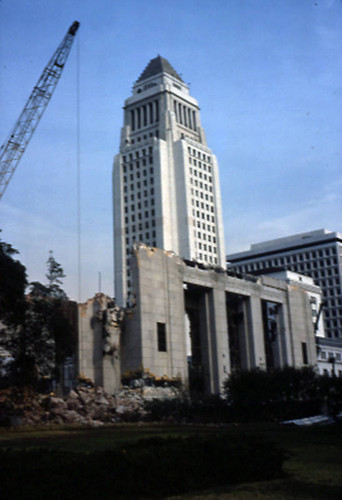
x=41, y=337
x=282, y=393
x=55, y=275
x=13, y=282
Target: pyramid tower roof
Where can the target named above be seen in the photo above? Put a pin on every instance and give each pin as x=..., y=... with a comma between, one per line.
x=156, y=66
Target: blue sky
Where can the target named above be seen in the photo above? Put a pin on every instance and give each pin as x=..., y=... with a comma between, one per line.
x=267, y=76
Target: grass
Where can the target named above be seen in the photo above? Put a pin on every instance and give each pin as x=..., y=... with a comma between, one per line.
x=312, y=468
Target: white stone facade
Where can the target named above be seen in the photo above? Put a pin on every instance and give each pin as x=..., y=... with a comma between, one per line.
x=196, y=324
x=234, y=323
x=166, y=185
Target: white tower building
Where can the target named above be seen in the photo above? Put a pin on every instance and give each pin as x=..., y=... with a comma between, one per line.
x=165, y=179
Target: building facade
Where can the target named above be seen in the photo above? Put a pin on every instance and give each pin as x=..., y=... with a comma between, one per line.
x=197, y=324
x=315, y=295
x=329, y=357
x=317, y=254
x=165, y=178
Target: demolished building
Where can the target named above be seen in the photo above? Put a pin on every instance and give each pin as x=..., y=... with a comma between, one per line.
x=196, y=324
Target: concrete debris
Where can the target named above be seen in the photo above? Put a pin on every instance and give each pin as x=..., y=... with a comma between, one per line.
x=85, y=405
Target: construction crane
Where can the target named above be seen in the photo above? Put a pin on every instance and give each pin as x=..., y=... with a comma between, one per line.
x=13, y=149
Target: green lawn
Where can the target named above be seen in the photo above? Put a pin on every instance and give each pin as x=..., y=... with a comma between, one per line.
x=313, y=468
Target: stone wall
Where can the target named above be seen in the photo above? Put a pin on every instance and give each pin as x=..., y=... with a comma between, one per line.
x=176, y=325
x=100, y=342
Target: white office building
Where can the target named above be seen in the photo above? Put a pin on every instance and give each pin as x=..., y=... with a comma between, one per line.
x=316, y=253
x=166, y=185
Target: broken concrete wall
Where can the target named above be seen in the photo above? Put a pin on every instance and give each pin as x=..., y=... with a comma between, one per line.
x=173, y=300
x=99, y=342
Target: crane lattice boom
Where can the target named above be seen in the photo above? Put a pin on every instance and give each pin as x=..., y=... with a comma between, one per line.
x=12, y=150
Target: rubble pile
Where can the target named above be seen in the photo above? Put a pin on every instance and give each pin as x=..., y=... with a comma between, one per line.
x=20, y=405
x=85, y=405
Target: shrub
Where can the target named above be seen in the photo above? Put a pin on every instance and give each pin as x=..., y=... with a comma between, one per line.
x=181, y=409
x=281, y=394
x=149, y=468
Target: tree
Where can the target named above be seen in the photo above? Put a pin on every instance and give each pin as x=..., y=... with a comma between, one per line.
x=12, y=302
x=13, y=282
x=40, y=337
x=46, y=316
x=54, y=275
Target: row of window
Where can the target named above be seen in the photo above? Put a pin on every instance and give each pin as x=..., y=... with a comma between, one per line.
x=292, y=259
x=334, y=302
x=328, y=294
x=326, y=283
x=144, y=115
x=137, y=195
x=198, y=173
x=314, y=254
x=207, y=248
x=145, y=237
x=198, y=164
x=142, y=217
x=139, y=216
x=140, y=153
x=130, y=167
x=198, y=154
x=332, y=328
x=204, y=237
x=327, y=374
x=144, y=137
x=140, y=227
x=333, y=313
x=184, y=115
x=204, y=227
x=200, y=224
x=202, y=205
x=322, y=273
x=330, y=355
x=317, y=274
x=201, y=185
x=203, y=257
x=136, y=174
x=201, y=195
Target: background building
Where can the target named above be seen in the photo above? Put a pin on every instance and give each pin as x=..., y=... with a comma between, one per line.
x=329, y=357
x=165, y=179
x=317, y=254
x=315, y=295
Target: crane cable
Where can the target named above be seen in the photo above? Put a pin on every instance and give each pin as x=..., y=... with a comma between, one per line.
x=78, y=172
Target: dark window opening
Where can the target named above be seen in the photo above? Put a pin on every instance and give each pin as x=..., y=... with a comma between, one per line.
x=305, y=353
x=161, y=334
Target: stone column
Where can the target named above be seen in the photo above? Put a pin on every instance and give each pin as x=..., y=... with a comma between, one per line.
x=256, y=347
x=219, y=362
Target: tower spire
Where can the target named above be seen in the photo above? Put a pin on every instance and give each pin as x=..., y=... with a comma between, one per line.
x=156, y=66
